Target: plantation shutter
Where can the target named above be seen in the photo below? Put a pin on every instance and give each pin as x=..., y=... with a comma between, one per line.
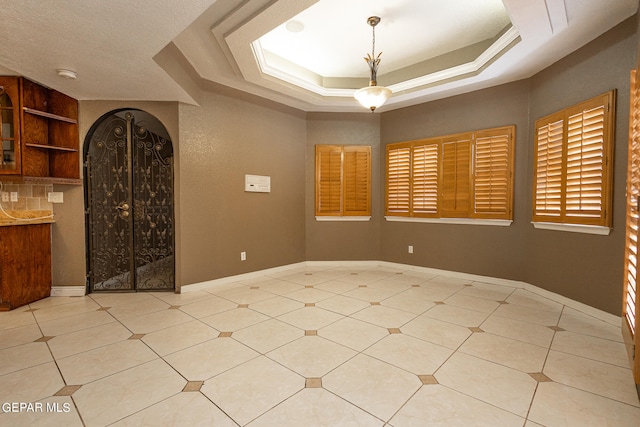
x=455, y=177
x=548, y=172
x=398, y=180
x=492, y=173
x=585, y=180
x=424, y=182
x=328, y=180
x=357, y=170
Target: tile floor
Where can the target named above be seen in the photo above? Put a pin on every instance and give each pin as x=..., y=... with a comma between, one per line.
x=315, y=346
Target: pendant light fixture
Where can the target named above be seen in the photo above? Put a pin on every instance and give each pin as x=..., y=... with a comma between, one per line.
x=373, y=96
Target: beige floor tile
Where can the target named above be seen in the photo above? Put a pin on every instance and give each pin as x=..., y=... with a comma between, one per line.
x=456, y=315
x=310, y=318
x=497, y=385
x=182, y=409
x=472, y=303
x=16, y=318
x=55, y=302
x=336, y=286
x=111, y=299
x=280, y=287
x=92, y=365
x=115, y=397
x=574, y=321
x=31, y=384
x=526, y=298
x=435, y=405
x=608, y=351
x=411, y=354
x=234, y=320
x=276, y=306
x=354, y=334
x=303, y=278
x=87, y=339
x=343, y=305
x=268, y=335
x=203, y=361
x=438, y=332
x=311, y=356
x=589, y=375
x=316, y=407
x=84, y=305
x=310, y=295
x=515, y=329
x=412, y=300
x=385, y=317
x=506, y=351
x=75, y=323
x=260, y=381
x=377, y=387
x=24, y=356
x=155, y=321
x=19, y=335
x=52, y=411
x=487, y=291
x=527, y=314
x=182, y=299
x=179, y=337
x=560, y=405
x=138, y=308
x=371, y=294
x=448, y=281
x=244, y=295
x=207, y=307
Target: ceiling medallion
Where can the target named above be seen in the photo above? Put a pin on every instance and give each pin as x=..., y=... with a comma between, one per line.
x=373, y=96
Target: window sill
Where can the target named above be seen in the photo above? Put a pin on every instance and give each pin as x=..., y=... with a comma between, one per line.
x=574, y=228
x=462, y=221
x=343, y=218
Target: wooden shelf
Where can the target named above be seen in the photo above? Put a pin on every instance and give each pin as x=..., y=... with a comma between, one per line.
x=51, y=180
x=50, y=147
x=49, y=115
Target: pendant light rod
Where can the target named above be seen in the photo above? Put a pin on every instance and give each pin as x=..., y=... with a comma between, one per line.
x=373, y=95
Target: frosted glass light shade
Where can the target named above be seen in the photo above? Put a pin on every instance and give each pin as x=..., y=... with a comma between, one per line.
x=372, y=97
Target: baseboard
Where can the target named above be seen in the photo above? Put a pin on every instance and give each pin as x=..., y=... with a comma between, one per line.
x=583, y=308
x=68, y=291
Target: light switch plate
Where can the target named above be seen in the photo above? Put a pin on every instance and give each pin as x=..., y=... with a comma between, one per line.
x=5, y=196
x=14, y=196
x=56, y=197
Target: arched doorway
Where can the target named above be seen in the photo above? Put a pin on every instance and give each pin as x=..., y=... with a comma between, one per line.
x=128, y=169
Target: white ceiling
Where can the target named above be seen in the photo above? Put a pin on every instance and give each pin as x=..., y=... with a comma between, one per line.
x=166, y=50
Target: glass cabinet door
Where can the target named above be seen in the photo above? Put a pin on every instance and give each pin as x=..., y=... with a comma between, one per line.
x=9, y=126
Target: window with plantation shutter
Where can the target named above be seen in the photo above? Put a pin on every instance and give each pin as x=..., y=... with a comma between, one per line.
x=467, y=175
x=572, y=182
x=630, y=302
x=492, y=164
x=343, y=180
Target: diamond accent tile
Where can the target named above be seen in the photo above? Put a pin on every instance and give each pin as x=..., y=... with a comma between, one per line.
x=174, y=307
x=475, y=329
x=225, y=334
x=313, y=383
x=310, y=333
x=310, y=304
x=438, y=302
x=67, y=390
x=243, y=305
x=394, y=330
x=193, y=386
x=103, y=309
x=136, y=336
x=540, y=377
x=556, y=328
x=375, y=303
x=44, y=339
x=428, y=379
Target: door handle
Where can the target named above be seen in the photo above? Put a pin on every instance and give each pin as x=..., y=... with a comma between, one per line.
x=123, y=207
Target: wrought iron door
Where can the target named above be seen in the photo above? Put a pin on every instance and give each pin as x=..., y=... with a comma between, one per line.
x=129, y=203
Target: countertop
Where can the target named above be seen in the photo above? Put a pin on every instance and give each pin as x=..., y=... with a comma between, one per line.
x=31, y=217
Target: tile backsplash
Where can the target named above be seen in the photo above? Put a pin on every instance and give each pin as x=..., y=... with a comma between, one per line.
x=31, y=197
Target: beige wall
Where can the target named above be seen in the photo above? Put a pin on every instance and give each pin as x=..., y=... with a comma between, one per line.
x=485, y=250
x=220, y=141
x=337, y=241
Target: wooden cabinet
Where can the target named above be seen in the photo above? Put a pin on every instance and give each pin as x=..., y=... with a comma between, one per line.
x=25, y=264
x=46, y=145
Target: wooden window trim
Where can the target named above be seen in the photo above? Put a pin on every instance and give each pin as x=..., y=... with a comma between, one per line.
x=433, y=185
x=563, y=190
x=342, y=181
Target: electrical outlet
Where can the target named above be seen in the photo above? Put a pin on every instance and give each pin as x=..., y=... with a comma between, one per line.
x=14, y=196
x=410, y=249
x=5, y=196
x=55, y=197
x=243, y=256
